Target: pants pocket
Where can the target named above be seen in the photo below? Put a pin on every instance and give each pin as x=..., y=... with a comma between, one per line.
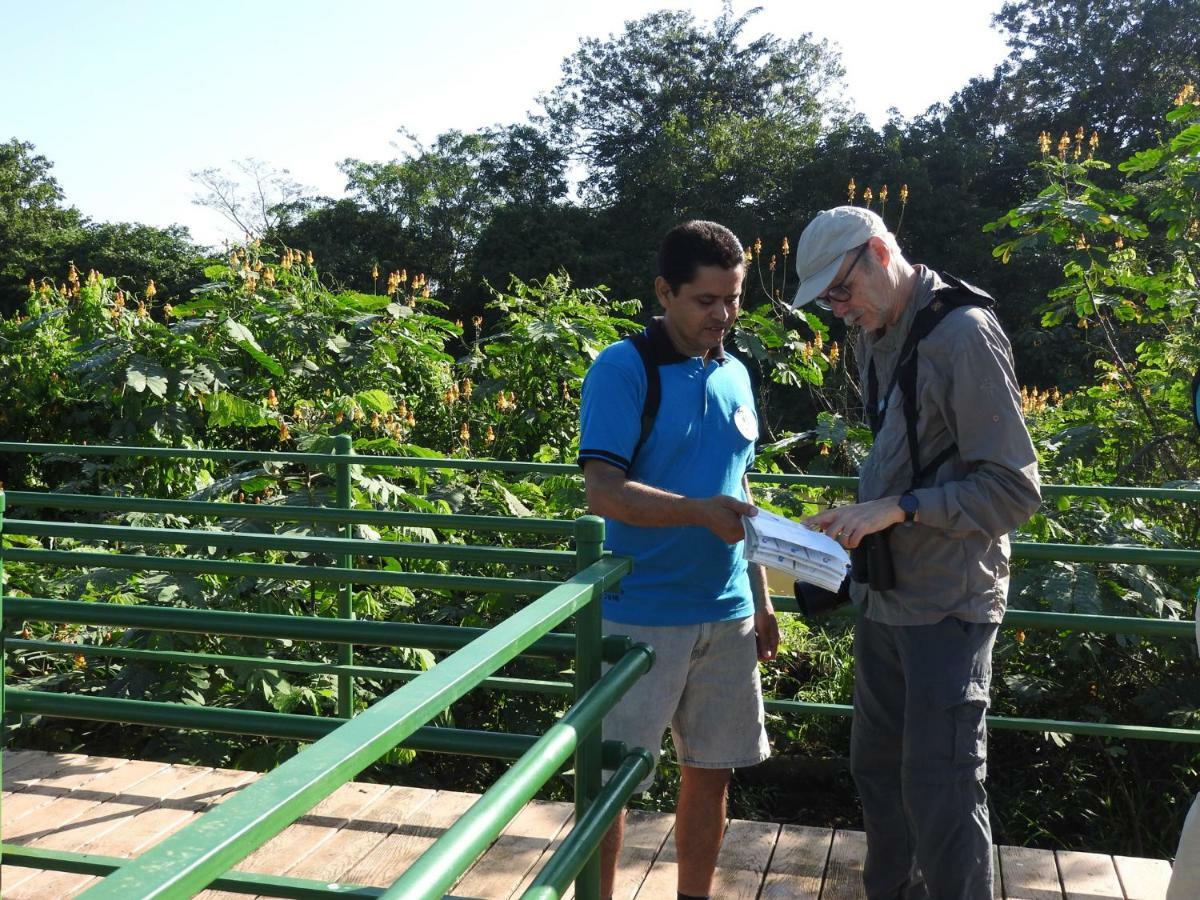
x=970, y=726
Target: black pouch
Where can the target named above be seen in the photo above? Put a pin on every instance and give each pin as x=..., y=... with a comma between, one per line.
x=816, y=601
x=871, y=562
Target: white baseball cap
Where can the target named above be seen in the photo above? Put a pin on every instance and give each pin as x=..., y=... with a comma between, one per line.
x=830, y=236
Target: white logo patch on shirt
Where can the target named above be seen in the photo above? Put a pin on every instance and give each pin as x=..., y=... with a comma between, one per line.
x=746, y=422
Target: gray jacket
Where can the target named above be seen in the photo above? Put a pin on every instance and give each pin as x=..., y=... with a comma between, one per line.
x=954, y=559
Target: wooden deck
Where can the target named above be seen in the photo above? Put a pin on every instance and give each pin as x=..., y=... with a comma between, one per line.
x=368, y=833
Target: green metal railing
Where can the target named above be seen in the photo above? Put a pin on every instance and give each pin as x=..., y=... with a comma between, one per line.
x=277, y=799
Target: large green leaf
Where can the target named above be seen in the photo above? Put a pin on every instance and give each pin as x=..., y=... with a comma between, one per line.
x=375, y=401
x=227, y=409
x=146, y=375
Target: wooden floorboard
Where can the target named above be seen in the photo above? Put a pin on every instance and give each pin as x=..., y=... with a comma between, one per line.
x=369, y=834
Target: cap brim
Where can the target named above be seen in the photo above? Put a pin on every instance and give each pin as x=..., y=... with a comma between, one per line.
x=812, y=286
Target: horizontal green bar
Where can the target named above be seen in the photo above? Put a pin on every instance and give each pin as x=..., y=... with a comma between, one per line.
x=1188, y=495
x=280, y=571
x=310, y=459
x=458, y=846
x=190, y=859
x=306, y=667
x=577, y=847
x=1008, y=723
x=274, y=626
x=1037, y=620
x=285, y=513
x=290, y=543
x=238, y=882
x=1147, y=556
x=284, y=726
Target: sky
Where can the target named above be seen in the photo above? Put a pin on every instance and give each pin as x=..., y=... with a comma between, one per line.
x=128, y=97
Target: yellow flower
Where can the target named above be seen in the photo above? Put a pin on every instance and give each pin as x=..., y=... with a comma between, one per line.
x=1185, y=94
x=375, y=271
x=903, y=194
x=868, y=196
x=1019, y=635
x=467, y=387
x=748, y=254
x=834, y=353
x=851, y=190
x=490, y=437
x=284, y=433
x=477, y=321
x=272, y=400
x=883, y=194
x=464, y=433
x=80, y=661
x=1044, y=143
x=151, y=290
x=168, y=310
x=308, y=258
x=758, y=246
x=771, y=264
x=786, y=247
x=824, y=449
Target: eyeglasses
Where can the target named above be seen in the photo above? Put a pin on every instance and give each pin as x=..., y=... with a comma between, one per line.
x=839, y=293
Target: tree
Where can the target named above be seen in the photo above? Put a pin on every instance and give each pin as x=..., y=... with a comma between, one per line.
x=35, y=226
x=1104, y=64
x=253, y=201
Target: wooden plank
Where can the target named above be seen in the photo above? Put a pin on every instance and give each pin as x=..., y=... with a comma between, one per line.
x=746, y=851
x=192, y=796
x=843, y=877
x=1088, y=876
x=545, y=856
x=396, y=852
x=501, y=870
x=1143, y=879
x=76, y=773
x=307, y=833
x=100, y=823
x=15, y=760
x=359, y=838
x=798, y=865
x=1030, y=874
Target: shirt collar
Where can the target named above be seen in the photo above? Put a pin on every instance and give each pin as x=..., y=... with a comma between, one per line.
x=663, y=350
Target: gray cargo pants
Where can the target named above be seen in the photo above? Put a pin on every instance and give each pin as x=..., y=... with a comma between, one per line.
x=918, y=753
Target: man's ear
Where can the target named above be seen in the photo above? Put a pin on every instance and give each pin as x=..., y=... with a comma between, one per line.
x=880, y=250
x=663, y=291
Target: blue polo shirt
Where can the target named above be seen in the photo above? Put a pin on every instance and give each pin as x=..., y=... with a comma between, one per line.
x=702, y=444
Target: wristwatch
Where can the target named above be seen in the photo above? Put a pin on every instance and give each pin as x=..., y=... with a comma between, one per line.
x=909, y=503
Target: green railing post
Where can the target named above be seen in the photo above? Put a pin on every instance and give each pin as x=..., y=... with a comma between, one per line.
x=589, y=547
x=343, y=445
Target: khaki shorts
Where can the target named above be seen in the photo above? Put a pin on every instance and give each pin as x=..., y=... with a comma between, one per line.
x=704, y=684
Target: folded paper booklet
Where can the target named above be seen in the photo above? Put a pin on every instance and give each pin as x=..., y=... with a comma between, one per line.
x=806, y=555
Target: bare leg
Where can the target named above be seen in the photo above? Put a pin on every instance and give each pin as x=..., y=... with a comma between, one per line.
x=699, y=826
x=610, y=850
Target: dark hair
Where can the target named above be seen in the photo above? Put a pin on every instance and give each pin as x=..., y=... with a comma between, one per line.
x=693, y=244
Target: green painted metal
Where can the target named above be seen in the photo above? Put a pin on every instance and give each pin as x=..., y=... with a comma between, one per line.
x=1010, y=723
x=578, y=846
x=303, y=628
x=286, y=513
x=589, y=544
x=284, y=726
x=239, y=882
x=3, y=647
x=283, y=571
x=343, y=446
x=191, y=858
x=451, y=854
x=1146, y=556
x=1187, y=495
x=186, y=658
x=291, y=543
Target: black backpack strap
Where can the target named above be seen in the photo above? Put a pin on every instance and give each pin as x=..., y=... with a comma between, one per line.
x=650, y=404
x=957, y=293
x=1196, y=398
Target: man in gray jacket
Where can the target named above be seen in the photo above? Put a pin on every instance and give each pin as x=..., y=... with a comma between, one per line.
x=951, y=472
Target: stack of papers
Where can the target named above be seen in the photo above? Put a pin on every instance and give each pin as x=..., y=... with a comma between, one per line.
x=806, y=555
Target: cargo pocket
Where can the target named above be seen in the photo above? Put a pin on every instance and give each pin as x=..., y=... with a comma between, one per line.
x=970, y=729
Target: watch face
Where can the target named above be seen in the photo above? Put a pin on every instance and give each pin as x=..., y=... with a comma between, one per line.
x=910, y=505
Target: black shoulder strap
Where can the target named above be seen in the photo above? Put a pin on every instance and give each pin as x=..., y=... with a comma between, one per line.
x=641, y=342
x=957, y=293
x=1196, y=398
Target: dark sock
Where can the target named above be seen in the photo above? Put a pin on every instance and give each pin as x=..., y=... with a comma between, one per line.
x=683, y=896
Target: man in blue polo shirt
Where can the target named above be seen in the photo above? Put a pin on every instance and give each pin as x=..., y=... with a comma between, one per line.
x=674, y=504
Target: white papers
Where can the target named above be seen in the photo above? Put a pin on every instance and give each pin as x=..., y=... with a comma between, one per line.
x=806, y=555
